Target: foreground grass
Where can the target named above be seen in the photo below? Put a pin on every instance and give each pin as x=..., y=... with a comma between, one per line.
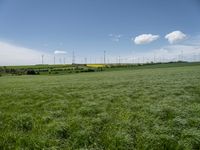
x=128, y=109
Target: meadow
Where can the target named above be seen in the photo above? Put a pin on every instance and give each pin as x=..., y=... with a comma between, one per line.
x=142, y=109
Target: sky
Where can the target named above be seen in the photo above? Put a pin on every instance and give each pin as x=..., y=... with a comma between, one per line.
x=130, y=30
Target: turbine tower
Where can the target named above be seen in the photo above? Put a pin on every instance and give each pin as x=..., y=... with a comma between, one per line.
x=104, y=58
x=42, y=58
x=73, y=58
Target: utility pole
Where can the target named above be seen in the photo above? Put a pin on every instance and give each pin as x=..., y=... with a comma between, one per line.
x=194, y=57
x=154, y=57
x=85, y=60
x=199, y=57
x=42, y=59
x=64, y=60
x=133, y=60
x=73, y=58
x=108, y=61
x=181, y=55
x=54, y=60
x=104, y=59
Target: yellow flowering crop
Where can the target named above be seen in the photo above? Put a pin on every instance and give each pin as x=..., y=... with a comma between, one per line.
x=96, y=65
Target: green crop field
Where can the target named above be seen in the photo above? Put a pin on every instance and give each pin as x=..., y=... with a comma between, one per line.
x=149, y=108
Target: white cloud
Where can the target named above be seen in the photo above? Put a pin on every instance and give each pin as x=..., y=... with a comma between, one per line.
x=145, y=38
x=60, y=52
x=16, y=55
x=175, y=36
x=114, y=37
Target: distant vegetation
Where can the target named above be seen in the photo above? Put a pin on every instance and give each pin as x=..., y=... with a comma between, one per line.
x=48, y=69
x=79, y=68
x=123, y=107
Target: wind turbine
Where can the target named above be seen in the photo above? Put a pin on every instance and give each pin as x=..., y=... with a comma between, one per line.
x=42, y=58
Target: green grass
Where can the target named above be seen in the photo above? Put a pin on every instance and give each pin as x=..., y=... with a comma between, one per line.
x=127, y=109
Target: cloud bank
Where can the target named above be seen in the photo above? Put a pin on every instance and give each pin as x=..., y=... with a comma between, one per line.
x=166, y=53
x=145, y=38
x=16, y=55
x=60, y=52
x=175, y=36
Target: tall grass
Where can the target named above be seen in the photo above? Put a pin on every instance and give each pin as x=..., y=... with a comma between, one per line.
x=128, y=109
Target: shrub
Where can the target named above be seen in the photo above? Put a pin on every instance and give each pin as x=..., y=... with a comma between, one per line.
x=31, y=72
x=91, y=70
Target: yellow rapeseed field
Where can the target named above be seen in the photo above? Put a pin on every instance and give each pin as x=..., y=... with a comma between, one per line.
x=96, y=65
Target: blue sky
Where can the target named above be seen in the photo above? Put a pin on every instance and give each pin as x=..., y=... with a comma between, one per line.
x=90, y=27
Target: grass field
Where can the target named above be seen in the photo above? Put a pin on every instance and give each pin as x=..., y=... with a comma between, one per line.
x=150, y=108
